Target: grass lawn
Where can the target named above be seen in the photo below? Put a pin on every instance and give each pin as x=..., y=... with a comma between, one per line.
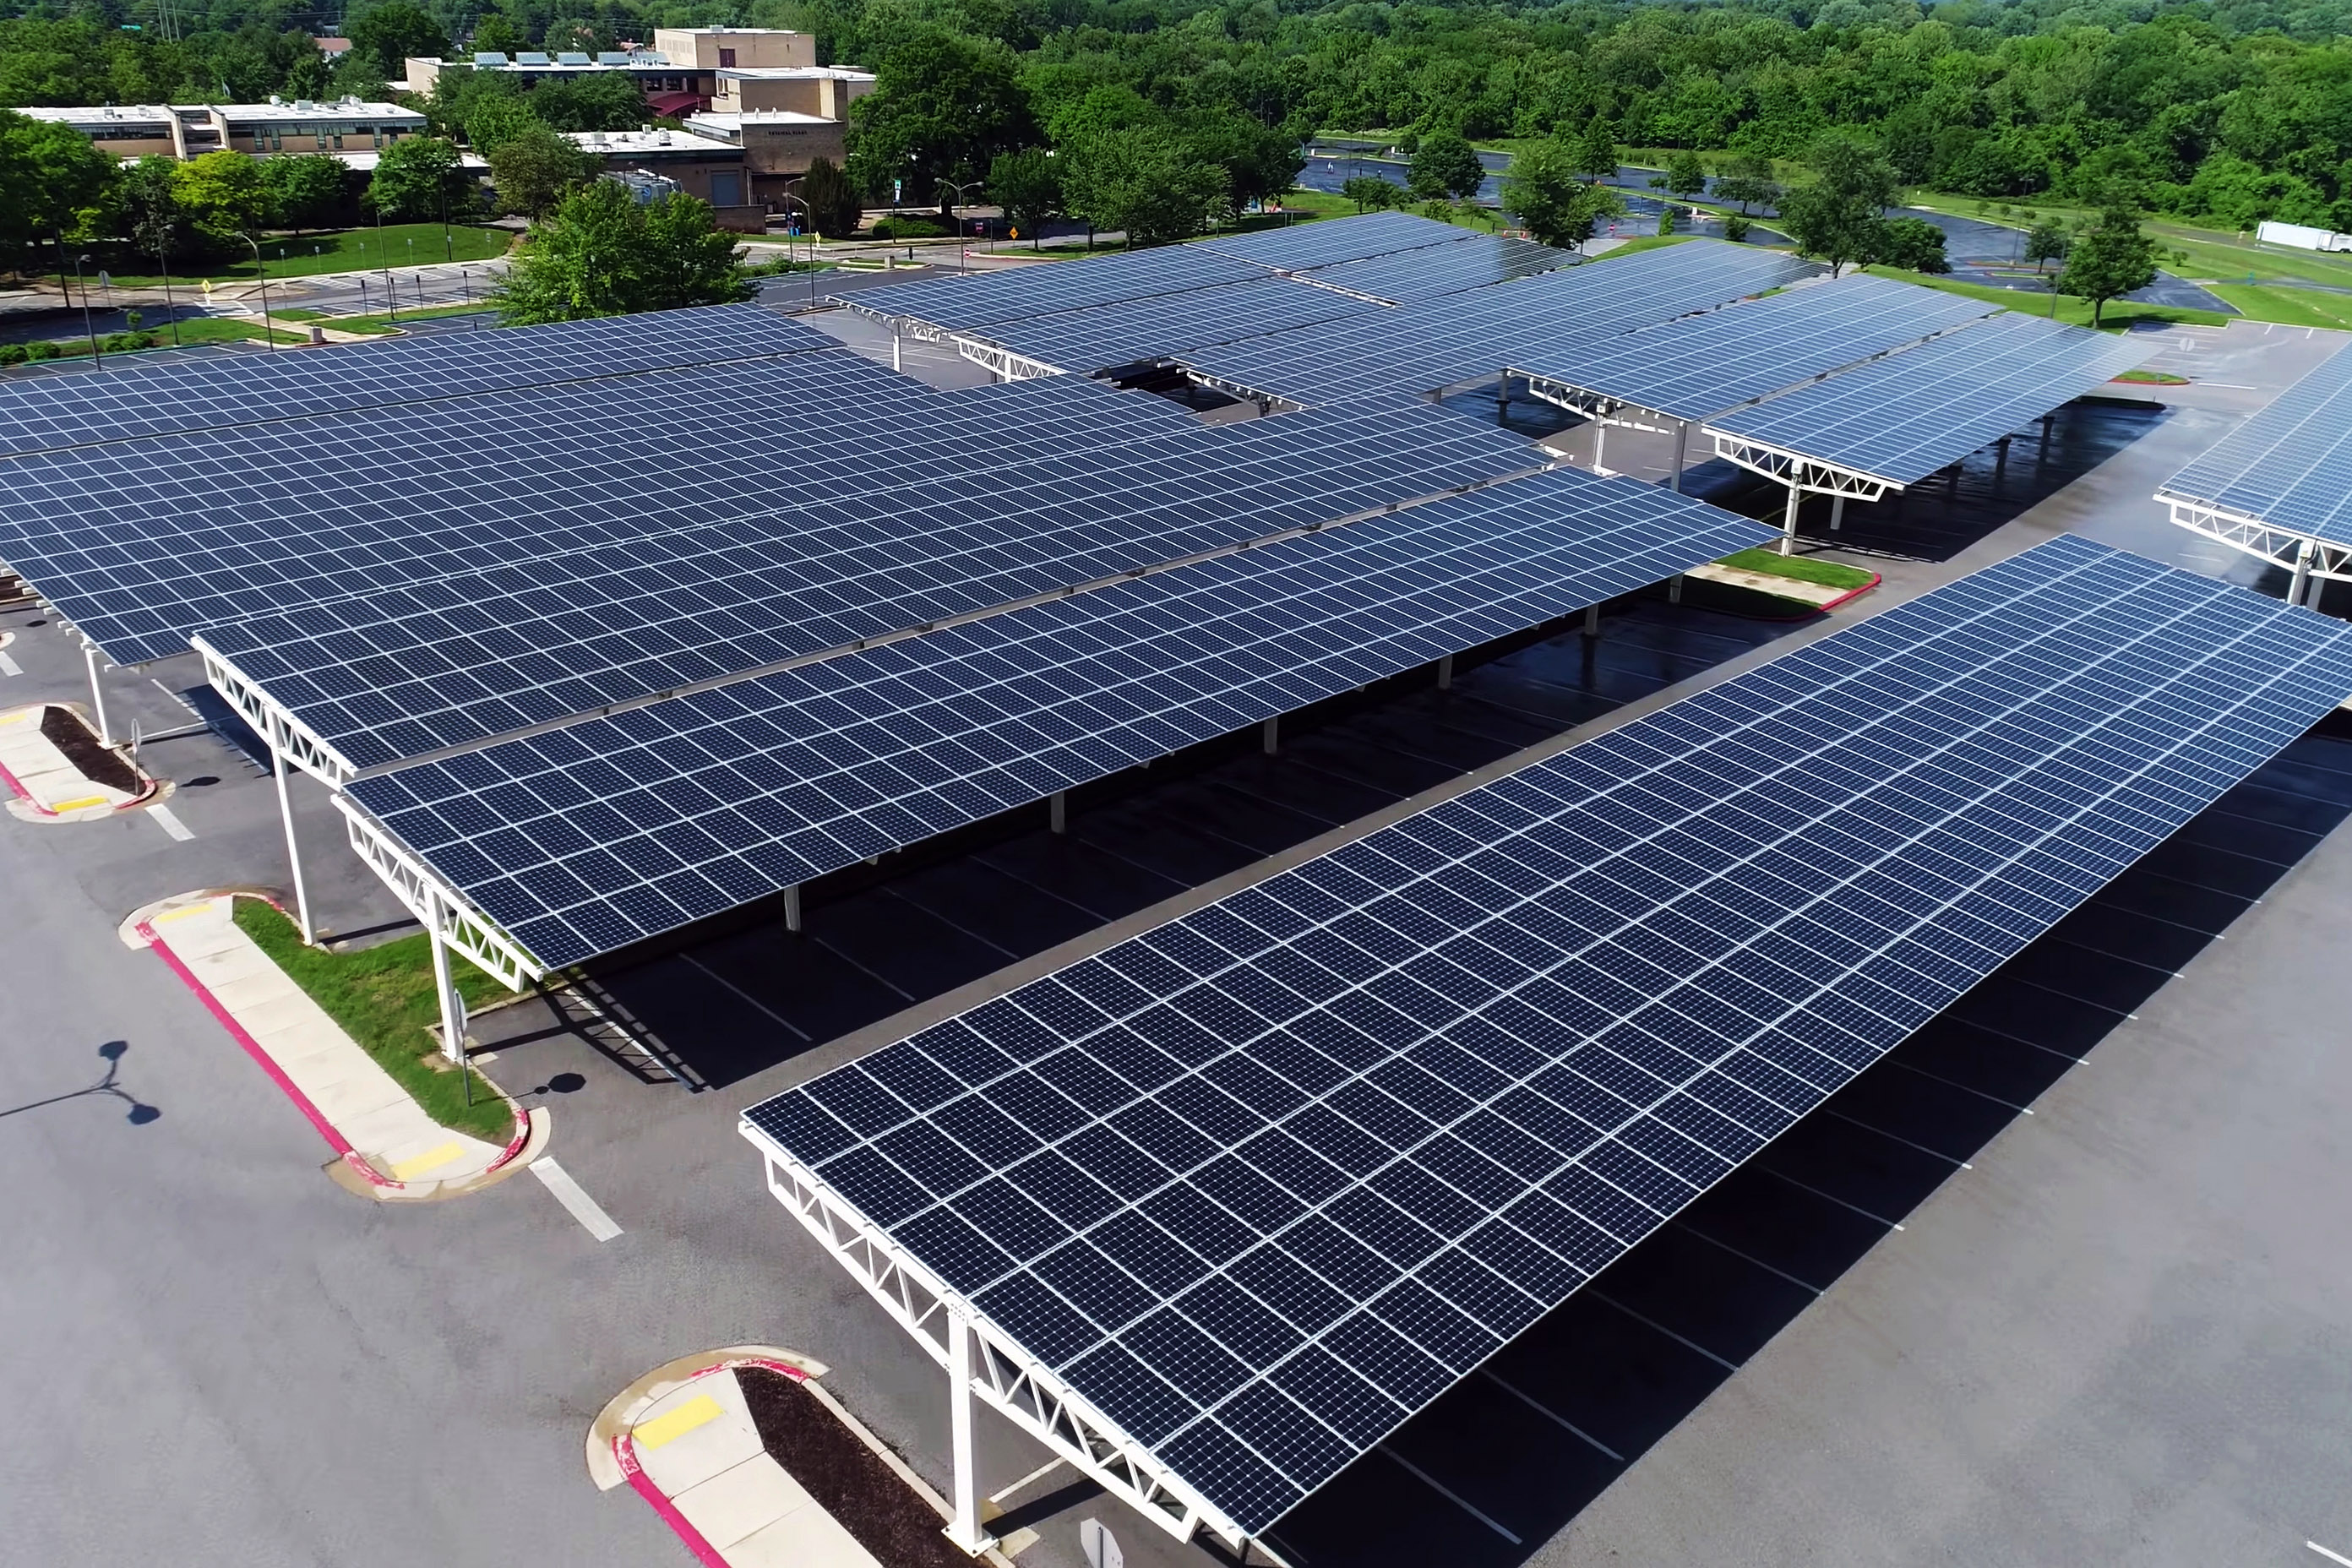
x=346, y=250
x=197, y=329
x=2119, y=313
x=1642, y=242
x=2290, y=306
x=383, y=996
x=379, y=322
x=1802, y=568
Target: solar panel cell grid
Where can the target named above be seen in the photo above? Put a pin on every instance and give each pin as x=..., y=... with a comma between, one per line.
x=981, y=299
x=1435, y=270
x=802, y=772
x=2290, y=466
x=1297, y=246
x=1170, y=325
x=1551, y=1010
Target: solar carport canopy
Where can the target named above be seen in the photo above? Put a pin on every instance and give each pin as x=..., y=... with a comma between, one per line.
x=1910, y=415
x=2290, y=466
x=147, y=399
x=1169, y=324
x=583, y=841
x=1704, y=364
x=410, y=671
x=1295, y=247
x=1256, y=1185
x=1433, y=270
x=1467, y=336
x=982, y=299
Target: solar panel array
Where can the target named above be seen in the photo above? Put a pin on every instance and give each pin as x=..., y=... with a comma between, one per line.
x=407, y=671
x=1904, y=416
x=1694, y=368
x=1263, y=1182
x=1463, y=337
x=142, y=543
x=1297, y=246
x=1435, y=270
x=1170, y=325
x=2290, y=466
x=979, y=299
x=74, y=411
x=581, y=841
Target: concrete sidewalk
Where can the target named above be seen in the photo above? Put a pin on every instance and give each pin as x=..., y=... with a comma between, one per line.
x=361, y=1112
x=46, y=783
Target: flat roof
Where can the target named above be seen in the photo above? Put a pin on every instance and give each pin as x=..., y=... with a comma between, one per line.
x=654, y=142
x=794, y=73
x=727, y=122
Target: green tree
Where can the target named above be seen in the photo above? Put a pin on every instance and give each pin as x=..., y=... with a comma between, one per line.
x=594, y=102
x=303, y=190
x=51, y=175
x=1666, y=220
x=147, y=211
x=308, y=78
x=1372, y=194
x=496, y=32
x=1685, y=176
x=493, y=119
x=1596, y=151
x=833, y=208
x=943, y=107
x=1027, y=184
x=2109, y=258
x=1833, y=216
x=418, y=179
x=1748, y=180
x=2045, y=242
x=1543, y=190
x=1140, y=182
x=1912, y=243
x=224, y=196
x=602, y=253
x=1445, y=166
x=389, y=33
x=574, y=35
x=534, y=168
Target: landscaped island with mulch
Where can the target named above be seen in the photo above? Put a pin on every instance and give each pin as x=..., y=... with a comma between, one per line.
x=845, y=1477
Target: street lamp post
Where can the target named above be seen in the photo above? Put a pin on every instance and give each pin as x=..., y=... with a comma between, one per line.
x=963, y=249
x=392, y=295
x=268, y=334
x=87, y=325
x=807, y=216
x=163, y=265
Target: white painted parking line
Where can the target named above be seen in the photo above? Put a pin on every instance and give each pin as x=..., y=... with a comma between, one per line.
x=9, y=666
x=569, y=1193
x=171, y=823
x=1449, y=1494
x=2331, y=1556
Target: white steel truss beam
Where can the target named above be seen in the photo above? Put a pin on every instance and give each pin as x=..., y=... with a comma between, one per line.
x=1006, y=1377
x=1267, y=401
x=438, y=906
x=1003, y=361
x=2282, y=547
x=1796, y=468
x=300, y=745
x=1594, y=406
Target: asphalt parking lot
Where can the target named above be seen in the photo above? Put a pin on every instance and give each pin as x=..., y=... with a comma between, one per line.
x=2120, y=1336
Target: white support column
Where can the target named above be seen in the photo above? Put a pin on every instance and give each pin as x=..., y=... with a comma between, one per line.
x=1682, y=444
x=2301, y=579
x=1674, y=589
x=1057, y=803
x=1592, y=620
x=453, y=1012
x=1599, y=441
x=793, y=908
x=965, y=1530
x=1837, y=512
x=293, y=846
x=1789, y=522
x=895, y=363
x=1273, y=736
x=97, y=694
x=1445, y=673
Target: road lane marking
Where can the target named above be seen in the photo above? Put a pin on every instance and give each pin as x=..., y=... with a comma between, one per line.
x=699, y=1411
x=569, y=1193
x=171, y=823
x=9, y=666
x=2331, y=1556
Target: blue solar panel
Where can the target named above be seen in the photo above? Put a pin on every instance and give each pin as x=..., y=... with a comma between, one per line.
x=409, y=670
x=1167, y=325
x=603, y=834
x=1329, y=241
x=1435, y=270
x=1904, y=416
x=160, y=397
x=1264, y=1181
x=982, y=299
x=2290, y=466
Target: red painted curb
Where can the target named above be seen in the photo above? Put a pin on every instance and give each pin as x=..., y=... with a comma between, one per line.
x=625, y=1454
x=1875, y=580
x=335, y=1140
x=23, y=794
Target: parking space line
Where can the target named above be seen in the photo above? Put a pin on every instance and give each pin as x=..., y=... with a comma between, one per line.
x=1456, y=1498
x=171, y=823
x=1687, y=1344
x=2331, y=1556
x=1532, y=1403
x=568, y=1192
x=9, y=666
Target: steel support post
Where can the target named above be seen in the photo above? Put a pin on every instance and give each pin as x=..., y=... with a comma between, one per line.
x=1273, y=736
x=793, y=908
x=1682, y=444
x=1837, y=512
x=1789, y=521
x=1445, y=673
x=97, y=694
x=1599, y=441
x=2301, y=580
x=293, y=847
x=895, y=365
x=1674, y=589
x=965, y=1530
x=452, y=1016
x=1592, y=620
x=1503, y=397
x=1057, y=805
x=2000, y=458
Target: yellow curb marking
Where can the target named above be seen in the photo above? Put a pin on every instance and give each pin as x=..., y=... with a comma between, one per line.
x=697, y=1412
x=182, y=912
x=441, y=1156
x=65, y=805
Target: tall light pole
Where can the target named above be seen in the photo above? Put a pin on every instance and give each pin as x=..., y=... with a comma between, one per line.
x=268, y=334
x=963, y=250
x=807, y=216
x=87, y=325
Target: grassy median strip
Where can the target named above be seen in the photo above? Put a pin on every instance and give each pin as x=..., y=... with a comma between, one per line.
x=1802, y=568
x=383, y=996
